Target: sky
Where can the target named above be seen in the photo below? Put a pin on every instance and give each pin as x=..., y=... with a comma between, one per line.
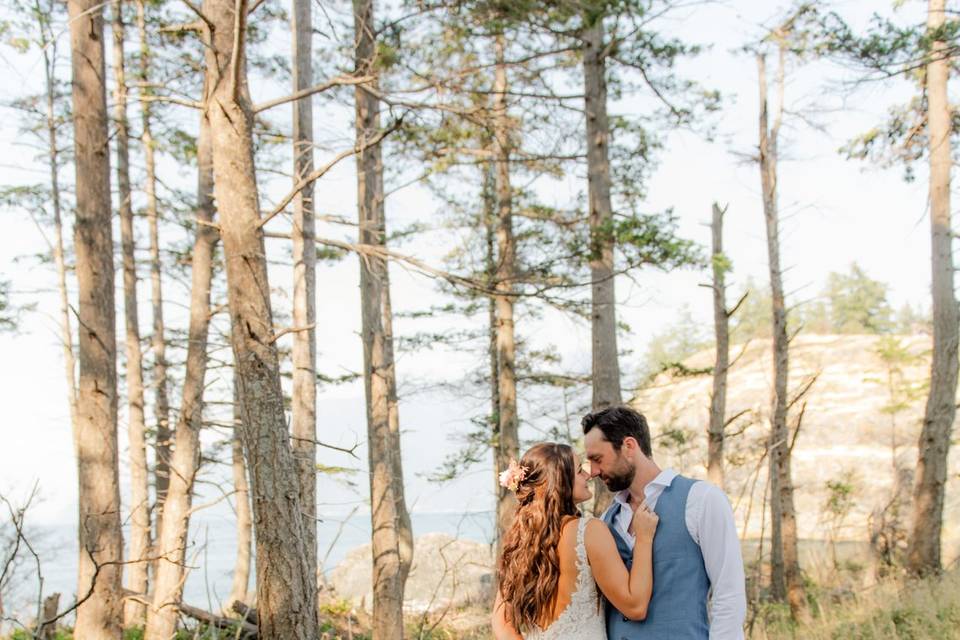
x=835, y=212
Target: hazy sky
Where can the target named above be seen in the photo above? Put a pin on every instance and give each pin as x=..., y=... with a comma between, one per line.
x=835, y=212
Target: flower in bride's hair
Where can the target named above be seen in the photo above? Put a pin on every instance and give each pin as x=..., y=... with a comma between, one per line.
x=513, y=476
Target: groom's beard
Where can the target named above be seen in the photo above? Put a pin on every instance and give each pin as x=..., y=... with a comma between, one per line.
x=620, y=478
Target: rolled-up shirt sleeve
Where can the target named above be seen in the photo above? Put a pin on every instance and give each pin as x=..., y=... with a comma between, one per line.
x=712, y=526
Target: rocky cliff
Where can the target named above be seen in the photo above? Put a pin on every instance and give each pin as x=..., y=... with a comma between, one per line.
x=861, y=419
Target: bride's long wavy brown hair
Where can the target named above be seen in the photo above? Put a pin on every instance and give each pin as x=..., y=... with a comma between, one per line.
x=529, y=564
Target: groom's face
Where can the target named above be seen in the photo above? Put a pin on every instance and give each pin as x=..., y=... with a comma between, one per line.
x=615, y=467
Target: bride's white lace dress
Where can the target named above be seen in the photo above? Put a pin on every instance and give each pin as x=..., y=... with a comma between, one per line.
x=582, y=619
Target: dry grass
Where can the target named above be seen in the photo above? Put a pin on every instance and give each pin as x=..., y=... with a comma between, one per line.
x=894, y=609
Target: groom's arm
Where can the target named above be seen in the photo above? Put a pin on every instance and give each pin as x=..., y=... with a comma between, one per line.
x=723, y=560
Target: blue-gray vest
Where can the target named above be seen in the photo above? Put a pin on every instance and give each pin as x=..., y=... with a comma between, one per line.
x=678, y=608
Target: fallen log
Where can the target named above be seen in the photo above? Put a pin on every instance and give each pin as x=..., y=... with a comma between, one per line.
x=247, y=612
x=247, y=629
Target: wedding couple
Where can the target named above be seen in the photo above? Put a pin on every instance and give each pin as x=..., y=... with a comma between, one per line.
x=665, y=556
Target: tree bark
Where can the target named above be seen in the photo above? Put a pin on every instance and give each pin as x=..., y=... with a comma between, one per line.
x=392, y=543
x=135, y=612
x=721, y=326
x=923, y=556
x=603, y=319
x=158, y=344
x=285, y=583
x=100, y=537
x=786, y=578
x=241, y=568
x=508, y=440
x=304, y=399
x=185, y=459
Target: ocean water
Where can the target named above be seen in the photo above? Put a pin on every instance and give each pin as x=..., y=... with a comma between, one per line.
x=212, y=553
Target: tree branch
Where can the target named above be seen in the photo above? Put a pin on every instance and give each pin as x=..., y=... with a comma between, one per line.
x=200, y=14
x=350, y=451
x=339, y=81
x=288, y=330
x=193, y=104
x=319, y=173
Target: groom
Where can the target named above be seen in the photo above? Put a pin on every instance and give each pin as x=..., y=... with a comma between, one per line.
x=698, y=581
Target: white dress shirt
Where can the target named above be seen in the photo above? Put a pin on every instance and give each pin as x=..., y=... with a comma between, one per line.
x=709, y=519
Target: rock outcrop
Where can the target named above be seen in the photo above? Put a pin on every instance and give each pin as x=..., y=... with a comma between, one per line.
x=446, y=572
x=854, y=430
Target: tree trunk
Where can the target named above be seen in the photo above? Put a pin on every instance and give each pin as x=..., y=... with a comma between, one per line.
x=508, y=440
x=158, y=344
x=721, y=318
x=241, y=569
x=185, y=460
x=490, y=228
x=51, y=604
x=304, y=399
x=603, y=326
x=285, y=583
x=53, y=156
x=923, y=557
x=135, y=612
x=786, y=578
x=392, y=536
x=100, y=537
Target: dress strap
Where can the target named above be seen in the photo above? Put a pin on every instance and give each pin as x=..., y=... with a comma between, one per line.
x=583, y=570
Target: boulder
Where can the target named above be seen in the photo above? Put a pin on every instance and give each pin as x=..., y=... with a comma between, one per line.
x=446, y=572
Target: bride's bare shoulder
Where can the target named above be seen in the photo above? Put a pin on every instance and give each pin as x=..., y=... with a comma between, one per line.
x=568, y=528
x=597, y=533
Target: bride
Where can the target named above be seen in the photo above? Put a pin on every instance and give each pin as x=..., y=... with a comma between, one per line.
x=554, y=558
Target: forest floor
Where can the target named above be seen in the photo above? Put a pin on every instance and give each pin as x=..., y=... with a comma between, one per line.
x=893, y=608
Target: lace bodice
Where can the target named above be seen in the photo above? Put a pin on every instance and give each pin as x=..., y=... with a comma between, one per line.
x=582, y=619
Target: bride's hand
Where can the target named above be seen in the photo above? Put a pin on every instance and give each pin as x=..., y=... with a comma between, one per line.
x=644, y=522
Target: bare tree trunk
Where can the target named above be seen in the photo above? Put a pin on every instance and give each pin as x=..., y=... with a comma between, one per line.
x=606, y=367
x=508, y=441
x=721, y=326
x=923, y=556
x=392, y=543
x=135, y=613
x=304, y=408
x=285, y=583
x=100, y=537
x=786, y=578
x=767, y=149
x=53, y=156
x=490, y=260
x=158, y=344
x=185, y=460
x=51, y=604
x=241, y=568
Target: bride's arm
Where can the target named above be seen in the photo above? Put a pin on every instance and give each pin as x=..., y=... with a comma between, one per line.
x=629, y=591
x=502, y=628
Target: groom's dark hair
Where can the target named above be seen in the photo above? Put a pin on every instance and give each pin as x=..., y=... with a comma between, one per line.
x=617, y=423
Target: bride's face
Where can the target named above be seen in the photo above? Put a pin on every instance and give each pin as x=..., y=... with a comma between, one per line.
x=581, y=487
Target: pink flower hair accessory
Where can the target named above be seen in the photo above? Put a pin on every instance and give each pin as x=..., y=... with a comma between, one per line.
x=513, y=476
